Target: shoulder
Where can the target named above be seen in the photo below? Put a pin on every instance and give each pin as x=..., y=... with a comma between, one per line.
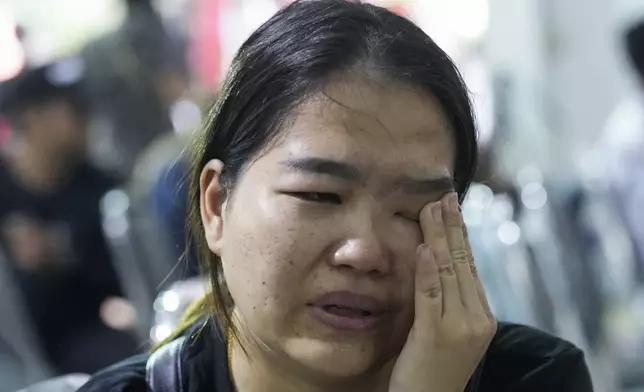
x=523, y=359
x=126, y=376
x=202, y=365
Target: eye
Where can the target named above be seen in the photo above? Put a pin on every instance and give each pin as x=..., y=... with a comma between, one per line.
x=409, y=217
x=318, y=197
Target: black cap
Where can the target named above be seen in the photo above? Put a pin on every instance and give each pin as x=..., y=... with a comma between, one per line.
x=62, y=80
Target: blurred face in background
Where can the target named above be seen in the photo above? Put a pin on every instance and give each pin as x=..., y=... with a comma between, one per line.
x=56, y=128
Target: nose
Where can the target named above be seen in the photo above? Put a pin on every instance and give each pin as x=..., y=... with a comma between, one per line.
x=364, y=254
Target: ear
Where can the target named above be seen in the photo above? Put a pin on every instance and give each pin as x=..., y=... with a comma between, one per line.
x=212, y=204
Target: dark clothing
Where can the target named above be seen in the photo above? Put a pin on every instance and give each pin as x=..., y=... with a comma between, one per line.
x=63, y=299
x=520, y=359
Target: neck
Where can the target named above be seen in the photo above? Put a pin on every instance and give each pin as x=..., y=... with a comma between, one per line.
x=255, y=370
x=38, y=169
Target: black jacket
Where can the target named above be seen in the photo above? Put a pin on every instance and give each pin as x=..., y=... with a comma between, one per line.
x=520, y=359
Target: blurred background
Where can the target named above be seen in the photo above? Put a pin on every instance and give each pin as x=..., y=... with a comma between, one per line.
x=98, y=99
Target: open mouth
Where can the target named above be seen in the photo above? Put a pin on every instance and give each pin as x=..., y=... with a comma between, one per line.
x=347, y=311
x=343, y=311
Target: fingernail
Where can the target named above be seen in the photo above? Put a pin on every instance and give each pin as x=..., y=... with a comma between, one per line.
x=423, y=251
x=437, y=212
x=453, y=202
x=420, y=249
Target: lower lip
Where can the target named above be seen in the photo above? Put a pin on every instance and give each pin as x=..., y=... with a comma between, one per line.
x=359, y=323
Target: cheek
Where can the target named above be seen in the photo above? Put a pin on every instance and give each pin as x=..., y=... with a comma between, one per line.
x=269, y=250
x=406, y=271
x=407, y=232
x=402, y=235
x=405, y=238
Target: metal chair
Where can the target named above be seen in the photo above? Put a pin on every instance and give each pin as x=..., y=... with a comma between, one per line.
x=142, y=257
x=171, y=304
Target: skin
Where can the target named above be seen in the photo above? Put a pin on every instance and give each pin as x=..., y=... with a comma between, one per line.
x=56, y=128
x=288, y=234
x=54, y=137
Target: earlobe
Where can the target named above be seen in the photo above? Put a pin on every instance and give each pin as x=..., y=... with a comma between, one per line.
x=212, y=204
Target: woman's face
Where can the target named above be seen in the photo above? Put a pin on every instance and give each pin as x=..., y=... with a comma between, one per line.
x=318, y=239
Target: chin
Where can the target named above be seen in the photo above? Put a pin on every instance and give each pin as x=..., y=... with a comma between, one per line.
x=336, y=360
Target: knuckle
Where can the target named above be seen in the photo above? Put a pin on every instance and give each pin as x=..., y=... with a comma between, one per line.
x=486, y=329
x=460, y=256
x=442, y=256
x=447, y=269
x=481, y=332
x=461, y=334
x=432, y=291
x=454, y=335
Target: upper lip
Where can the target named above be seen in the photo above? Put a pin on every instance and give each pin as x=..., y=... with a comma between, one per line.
x=348, y=299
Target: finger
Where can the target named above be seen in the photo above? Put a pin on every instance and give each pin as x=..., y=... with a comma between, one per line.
x=459, y=254
x=428, y=298
x=436, y=237
x=479, y=285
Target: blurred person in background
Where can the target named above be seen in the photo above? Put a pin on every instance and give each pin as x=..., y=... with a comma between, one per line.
x=622, y=146
x=50, y=227
x=134, y=75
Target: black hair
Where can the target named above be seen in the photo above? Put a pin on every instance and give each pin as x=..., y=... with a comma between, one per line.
x=36, y=87
x=289, y=59
x=634, y=40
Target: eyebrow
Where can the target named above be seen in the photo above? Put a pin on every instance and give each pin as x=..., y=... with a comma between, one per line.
x=349, y=172
x=326, y=167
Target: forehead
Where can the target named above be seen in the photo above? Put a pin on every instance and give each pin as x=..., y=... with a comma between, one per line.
x=369, y=123
x=373, y=125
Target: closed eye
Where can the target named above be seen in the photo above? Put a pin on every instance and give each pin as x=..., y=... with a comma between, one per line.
x=409, y=217
x=318, y=197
